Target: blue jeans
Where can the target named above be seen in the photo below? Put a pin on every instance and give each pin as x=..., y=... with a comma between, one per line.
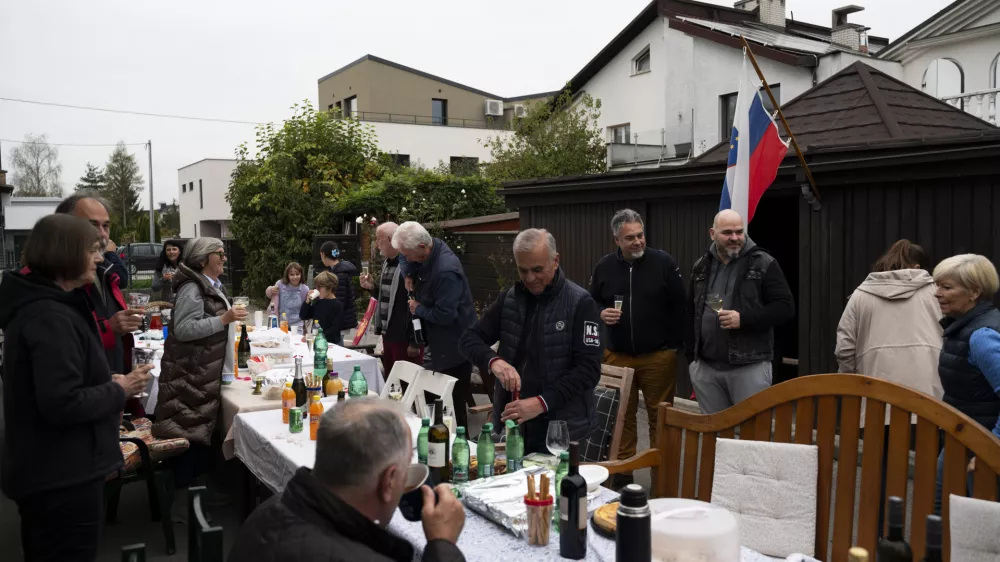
x=939, y=483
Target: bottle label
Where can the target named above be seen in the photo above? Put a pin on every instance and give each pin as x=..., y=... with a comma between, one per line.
x=437, y=455
x=459, y=473
x=288, y=403
x=564, y=508
x=486, y=471
x=416, y=323
x=583, y=513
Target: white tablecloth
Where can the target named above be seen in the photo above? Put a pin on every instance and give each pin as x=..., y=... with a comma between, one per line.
x=273, y=455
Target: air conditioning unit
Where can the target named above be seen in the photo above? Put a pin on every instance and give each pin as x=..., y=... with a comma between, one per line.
x=520, y=110
x=494, y=107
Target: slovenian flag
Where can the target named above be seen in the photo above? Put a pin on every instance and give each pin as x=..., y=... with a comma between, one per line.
x=755, y=150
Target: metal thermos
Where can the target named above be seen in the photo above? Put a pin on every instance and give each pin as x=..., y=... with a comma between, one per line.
x=632, y=535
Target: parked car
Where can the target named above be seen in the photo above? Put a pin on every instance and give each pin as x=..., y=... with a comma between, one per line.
x=140, y=256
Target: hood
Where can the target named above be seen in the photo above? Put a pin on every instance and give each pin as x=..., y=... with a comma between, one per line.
x=896, y=285
x=344, y=266
x=19, y=290
x=750, y=244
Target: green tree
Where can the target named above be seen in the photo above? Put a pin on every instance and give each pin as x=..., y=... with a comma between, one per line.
x=558, y=137
x=92, y=179
x=170, y=221
x=285, y=194
x=36, y=168
x=122, y=185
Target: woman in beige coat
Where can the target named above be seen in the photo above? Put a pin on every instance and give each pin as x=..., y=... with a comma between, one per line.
x=890, y=328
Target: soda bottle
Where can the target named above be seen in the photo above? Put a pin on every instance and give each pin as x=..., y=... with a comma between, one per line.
x=284, y=322
x=486, y=451
x=425, y=427
x=315, y=413
x=332, y=384
x=515, y=447
x=287, y=402
x=358, y=385
x=460, y=458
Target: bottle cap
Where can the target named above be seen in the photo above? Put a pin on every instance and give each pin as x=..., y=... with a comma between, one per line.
x=934, y=531
x=288, y=385
x=510, y=424
x=487, y=427
x=564, y=456
x=426, y=422
x=340, y=393
x=897, y=518
x=633, y=495
x=461, y=431
x=315, y=397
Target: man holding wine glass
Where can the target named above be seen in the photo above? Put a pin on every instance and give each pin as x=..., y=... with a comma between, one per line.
x=549, y=359
x=641, y=296
x=739, y=294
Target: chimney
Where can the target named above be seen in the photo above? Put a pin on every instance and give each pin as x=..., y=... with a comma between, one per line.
x=769, y=12
x=850, y=35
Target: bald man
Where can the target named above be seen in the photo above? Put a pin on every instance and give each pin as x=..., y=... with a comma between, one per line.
x=393, y=321
x=730, y=351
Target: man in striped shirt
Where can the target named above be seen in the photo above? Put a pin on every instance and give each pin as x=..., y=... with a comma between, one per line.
x=393, y=319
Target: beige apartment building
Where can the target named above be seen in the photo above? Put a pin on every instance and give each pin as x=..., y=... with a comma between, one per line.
x=418, y=116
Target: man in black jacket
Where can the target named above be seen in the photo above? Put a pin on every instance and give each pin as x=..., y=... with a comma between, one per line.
x=442, y=301
x=550, y=346
x=647, y=327
x=338, y=511
x=731, y=350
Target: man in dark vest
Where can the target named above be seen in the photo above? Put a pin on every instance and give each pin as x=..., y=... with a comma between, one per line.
x=731, y=350
x=442, y=300
x=550, y=346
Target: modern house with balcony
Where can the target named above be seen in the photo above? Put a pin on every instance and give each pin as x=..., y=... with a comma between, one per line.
x=419, y=118
x=668, y=82
x=955, y=55
x=201, y=196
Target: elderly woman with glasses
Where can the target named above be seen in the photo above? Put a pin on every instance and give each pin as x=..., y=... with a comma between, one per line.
x=197, y=357
x=970, y=355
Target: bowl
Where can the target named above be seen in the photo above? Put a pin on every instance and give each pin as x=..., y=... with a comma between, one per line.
x=594, y=475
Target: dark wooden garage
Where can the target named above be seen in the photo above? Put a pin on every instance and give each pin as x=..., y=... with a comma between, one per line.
x=889, y=161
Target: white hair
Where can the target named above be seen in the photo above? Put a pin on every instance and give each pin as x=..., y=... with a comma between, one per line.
x=387, y=227
x=410, y=235
x=528, y=240
x=196, y=251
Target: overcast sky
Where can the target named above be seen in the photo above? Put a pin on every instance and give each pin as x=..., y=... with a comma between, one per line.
x=250, y=60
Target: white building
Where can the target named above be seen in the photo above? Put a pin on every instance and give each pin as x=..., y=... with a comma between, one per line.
x=201, y=197
x=667, y=83
x=20, y=215
x=955, y=55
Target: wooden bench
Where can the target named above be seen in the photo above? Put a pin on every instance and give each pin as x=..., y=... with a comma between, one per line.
x=812, y=406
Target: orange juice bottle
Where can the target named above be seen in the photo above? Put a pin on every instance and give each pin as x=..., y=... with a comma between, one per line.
x=284, y=322
x=287, y=401
x=315, y=413
x=332, y=385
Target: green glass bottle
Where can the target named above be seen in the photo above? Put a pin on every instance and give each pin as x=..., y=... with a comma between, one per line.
x=486, y=451
x=460, y=458
x=357, y=386
x=320, y=347
x=515, y=447
x=425, y=427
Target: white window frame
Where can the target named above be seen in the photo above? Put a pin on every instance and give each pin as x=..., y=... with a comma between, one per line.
x=625, y=128
x=644, y=53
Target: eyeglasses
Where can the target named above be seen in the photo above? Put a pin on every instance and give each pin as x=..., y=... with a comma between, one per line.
x=220, y=253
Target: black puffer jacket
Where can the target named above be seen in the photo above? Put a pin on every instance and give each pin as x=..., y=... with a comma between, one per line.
x=345, y=271
x=61, y=410
x=307, y=523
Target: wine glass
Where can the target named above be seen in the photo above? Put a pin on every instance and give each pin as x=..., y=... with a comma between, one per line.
x=619, y=299
x=557, y=438
x=714, y=301
x=139, y=301
x=241, y=302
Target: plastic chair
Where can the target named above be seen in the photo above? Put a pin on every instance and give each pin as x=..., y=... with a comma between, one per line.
x=437, y=384
x=204, y=540
x=410, y=373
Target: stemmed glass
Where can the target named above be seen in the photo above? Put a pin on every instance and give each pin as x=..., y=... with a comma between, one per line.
x=557, y=438
x=138, y=301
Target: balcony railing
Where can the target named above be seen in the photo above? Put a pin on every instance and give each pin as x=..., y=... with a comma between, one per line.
x=402, y=118
x=982, y=104
x=650, y=146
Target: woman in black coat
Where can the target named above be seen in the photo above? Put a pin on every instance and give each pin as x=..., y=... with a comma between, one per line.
x=61, y=403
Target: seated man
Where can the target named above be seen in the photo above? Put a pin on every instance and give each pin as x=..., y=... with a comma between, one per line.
x=338, y=511
x=550, y=346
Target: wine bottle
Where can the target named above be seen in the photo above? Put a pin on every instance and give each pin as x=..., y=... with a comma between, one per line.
x=894, y=547
x=634, y=526
x=857, y=554
x=460, y=458
x=438, y=447
x=299, y=386
x=932, y=549
x=418, y=330
x=243, y=351
x=573, y=509
x=425, y=428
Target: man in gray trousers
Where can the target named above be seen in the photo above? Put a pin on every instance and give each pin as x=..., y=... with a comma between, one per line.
x=730, y=351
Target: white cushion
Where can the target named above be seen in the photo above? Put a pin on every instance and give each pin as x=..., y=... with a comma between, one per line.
x=771, y=488
x=975, y=529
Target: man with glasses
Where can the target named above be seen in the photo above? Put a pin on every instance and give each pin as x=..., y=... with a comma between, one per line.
x=115, y=320
x=738, y=295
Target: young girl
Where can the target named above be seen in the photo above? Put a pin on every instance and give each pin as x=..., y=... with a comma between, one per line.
x=166, y=267
x=326, y=308
x=288, y=294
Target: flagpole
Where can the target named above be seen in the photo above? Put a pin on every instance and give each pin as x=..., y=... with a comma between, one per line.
x=774, y=102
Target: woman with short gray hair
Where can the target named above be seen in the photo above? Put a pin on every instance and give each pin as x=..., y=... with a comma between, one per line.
x=197, y=357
